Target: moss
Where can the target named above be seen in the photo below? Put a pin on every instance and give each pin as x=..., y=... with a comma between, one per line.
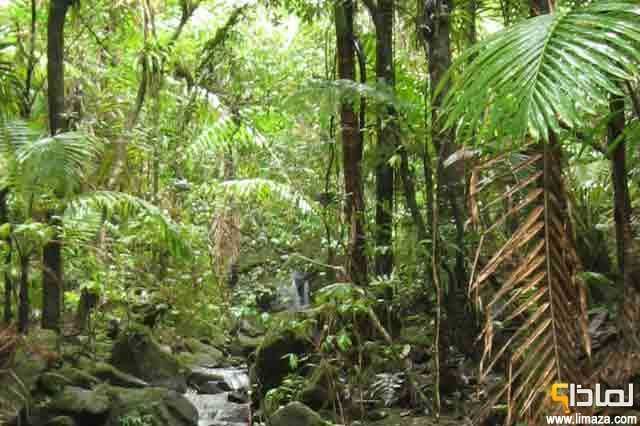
x=296, y=414
x=271, y=362
x=162, y=407
x=318, y=391
x=136, y=352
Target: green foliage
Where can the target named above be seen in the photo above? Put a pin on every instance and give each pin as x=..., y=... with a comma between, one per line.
x=544, y=73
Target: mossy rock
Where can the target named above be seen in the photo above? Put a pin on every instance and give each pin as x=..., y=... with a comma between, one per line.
x=111, y=375
x=136, y=352
x=61, y=421
x=53, y=381
x=81, y=402
x=271, y=362
x=296, y=414
x=201, y=355
x=32, y=358
x=158, y=406
x=319, y=390
x=244, y=345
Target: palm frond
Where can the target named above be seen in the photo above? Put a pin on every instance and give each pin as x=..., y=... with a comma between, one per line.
x=546, y=72
x=125, y=206
x=539, y=300
x=267, y=189
x=59, y=162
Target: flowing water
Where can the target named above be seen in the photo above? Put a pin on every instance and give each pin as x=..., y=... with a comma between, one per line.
x=217, y=410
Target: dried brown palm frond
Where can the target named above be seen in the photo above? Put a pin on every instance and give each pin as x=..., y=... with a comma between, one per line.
x=9, y=339
x=224, y=239
x=530, y=284
x=13, y=397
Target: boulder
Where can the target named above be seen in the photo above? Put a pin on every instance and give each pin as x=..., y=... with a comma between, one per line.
x=271, y=362
x=202, y=355
x=318, y=391
x=61, y=421
x=79, y=402
x=213, y=388
x=53, y=381
x=199, y=376
x=32, y=358
x=243, y=344
x=109, y=374
x=159, y=406
x=136, y=352
x=296, y=414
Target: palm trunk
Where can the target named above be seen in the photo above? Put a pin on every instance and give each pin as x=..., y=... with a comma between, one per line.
x=52, y=278
x=351, y=145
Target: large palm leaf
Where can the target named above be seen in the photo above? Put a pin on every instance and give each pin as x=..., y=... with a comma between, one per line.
x=529, y=285
x=547, y=72
x=36, y=165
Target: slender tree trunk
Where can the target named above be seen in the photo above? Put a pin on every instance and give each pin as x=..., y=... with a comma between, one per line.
x=351, y=145
x=435, y=27
x=24, y=307
x=52, y=277
x=622, y=203
x=26, y=103
x=628, y=265
x=8, y=285
x=386, y=133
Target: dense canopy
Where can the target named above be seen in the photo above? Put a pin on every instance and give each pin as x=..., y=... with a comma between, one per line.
x=317, y=212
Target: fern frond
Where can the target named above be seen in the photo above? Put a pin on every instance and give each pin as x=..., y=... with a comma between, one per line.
x=266, y=188
x=59, y=162
x=126, y=206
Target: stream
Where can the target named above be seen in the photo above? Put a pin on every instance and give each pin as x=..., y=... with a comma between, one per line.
x=216, y=409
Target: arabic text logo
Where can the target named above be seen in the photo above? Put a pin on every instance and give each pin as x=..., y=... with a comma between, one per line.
x=572, y=395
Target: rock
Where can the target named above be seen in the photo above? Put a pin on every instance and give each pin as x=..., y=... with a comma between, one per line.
x=199, y=359
x=318, y=390
x=53, y=381
x=213, y=388
x=244, y=344
x=61, y=421
x=271, y=362
x=81, y=402
x=202, y=355
x=159, y=406
x=377, y=415
x=237, y=397
x=234, y=413
x=200, y=376
x=137, y=353
x=108, y=373
x=296, y=414
x=31, y=360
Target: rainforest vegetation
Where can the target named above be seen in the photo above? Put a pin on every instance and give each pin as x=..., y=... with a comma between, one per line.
x=317, y=212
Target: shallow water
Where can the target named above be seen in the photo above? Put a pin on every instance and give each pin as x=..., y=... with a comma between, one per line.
x=216, y=410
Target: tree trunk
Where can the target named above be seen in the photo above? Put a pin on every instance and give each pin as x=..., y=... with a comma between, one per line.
x=88, y=301
x=52, y=278
x=8, y=285
x=628, y=265
x=24, y=306
x=351, y=146
x=386, y=133
x=435, y=26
